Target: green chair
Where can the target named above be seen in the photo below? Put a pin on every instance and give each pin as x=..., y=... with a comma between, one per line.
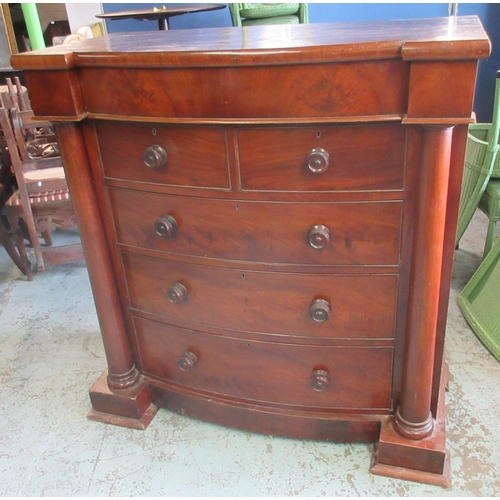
x=480, y=301
x=250, y=14
x=481, y=162
x=490, y=205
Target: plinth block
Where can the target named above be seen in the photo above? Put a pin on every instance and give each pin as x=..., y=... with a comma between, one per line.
x=130, y=407
x=424, y=460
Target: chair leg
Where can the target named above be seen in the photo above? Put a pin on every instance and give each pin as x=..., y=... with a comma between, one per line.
x=18, y=235
x=47, y=238
x=21, y=262
x=489, y=237
x=30, y=229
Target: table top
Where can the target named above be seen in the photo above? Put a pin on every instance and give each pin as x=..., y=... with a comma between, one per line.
x=161, y=12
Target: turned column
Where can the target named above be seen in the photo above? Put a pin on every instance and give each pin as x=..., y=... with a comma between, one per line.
x=413, y=418
x=122, y=372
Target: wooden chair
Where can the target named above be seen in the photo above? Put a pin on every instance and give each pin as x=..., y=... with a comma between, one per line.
x=5, y=191
x=14, y=96
x=249, y=14
x=42, y=202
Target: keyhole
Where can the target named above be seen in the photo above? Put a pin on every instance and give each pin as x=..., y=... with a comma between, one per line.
x=154, y=131
x=236, y=207
x=318, y=134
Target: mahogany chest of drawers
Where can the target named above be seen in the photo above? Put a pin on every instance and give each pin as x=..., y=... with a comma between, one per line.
x=268, y=216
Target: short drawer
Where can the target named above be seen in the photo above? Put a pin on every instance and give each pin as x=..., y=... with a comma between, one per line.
x=298, y=305
x=301, y=375
x=365, y=233
x=321, y=158
x=181, y=156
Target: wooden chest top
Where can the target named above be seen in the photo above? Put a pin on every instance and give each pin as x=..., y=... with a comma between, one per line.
x=119, y=73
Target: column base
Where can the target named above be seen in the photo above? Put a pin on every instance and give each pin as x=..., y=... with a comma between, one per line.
x=130, y=407
x=424, y=461
x=413, y=431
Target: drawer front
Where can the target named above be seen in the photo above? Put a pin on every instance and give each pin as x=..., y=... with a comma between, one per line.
x=311, y=305
x=356, y=377
x=195, y=156
x=352, y=233
x=322, y=158
x=357, y=88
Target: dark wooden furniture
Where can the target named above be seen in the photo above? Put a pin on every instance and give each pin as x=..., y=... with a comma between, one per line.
x=269, y=223
x=161, y=14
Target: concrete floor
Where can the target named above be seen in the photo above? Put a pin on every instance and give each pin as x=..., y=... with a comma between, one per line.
x=51, y=353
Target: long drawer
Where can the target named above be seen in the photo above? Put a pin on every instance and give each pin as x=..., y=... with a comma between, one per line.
x=298, y=305
x=322, y=158
x=178, y=156
x=293, y=233
x=301, y=375
x=357, y=88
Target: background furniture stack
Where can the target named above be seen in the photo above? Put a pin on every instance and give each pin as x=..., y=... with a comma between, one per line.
x=41, y=203
x=6, y=187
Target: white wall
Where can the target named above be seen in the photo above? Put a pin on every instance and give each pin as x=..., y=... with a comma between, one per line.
x=82, y=14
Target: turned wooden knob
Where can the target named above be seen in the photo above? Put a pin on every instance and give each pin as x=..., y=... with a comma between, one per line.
x=318, y=160
x=177, y=293
x=320, y=310
x=187, y=361
x=154, y=157
x=320, y=380
x=165, y=226
x=319, y=236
